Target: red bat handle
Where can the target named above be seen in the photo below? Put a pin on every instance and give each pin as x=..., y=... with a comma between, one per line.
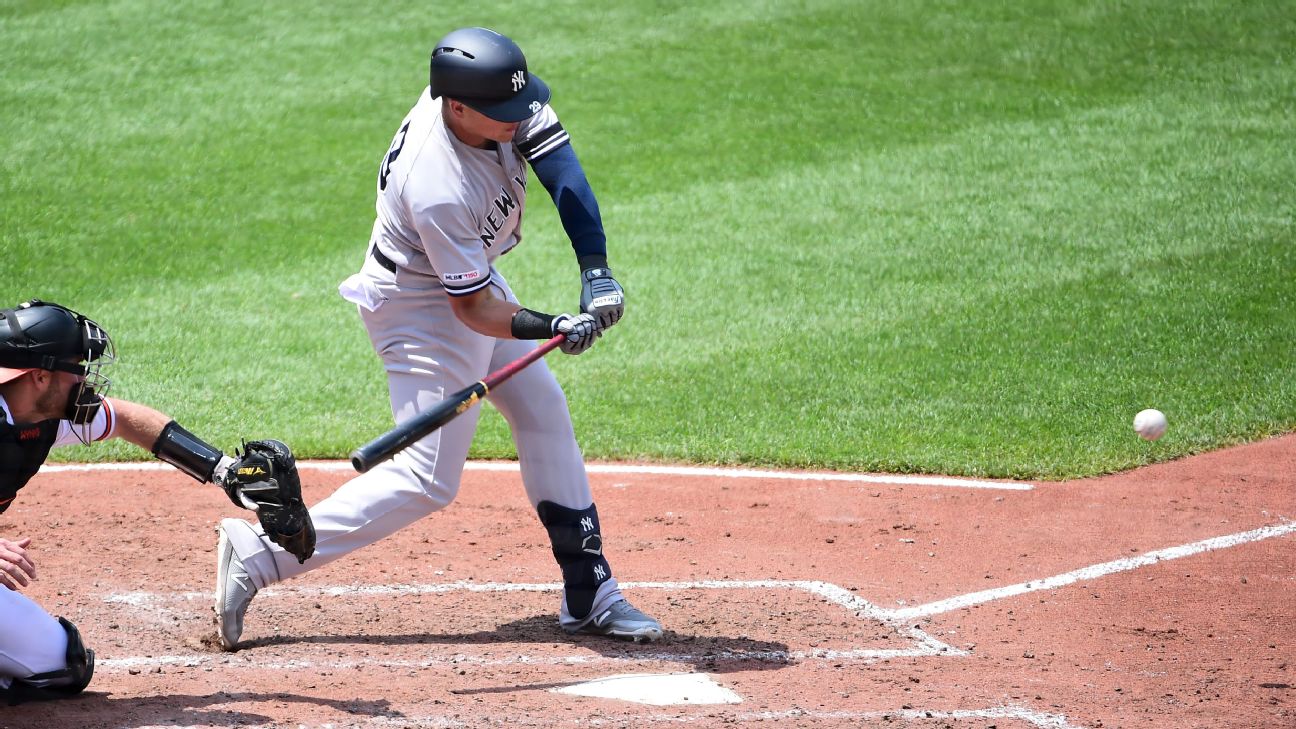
x=513, y=367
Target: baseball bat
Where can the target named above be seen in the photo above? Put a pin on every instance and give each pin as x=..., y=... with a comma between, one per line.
x=407, y=433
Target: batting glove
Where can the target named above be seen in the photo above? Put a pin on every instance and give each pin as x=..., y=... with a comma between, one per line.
x=581, y=331
x=601, y=296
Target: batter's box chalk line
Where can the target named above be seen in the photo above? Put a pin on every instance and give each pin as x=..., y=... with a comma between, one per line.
x=1027, y=717
x=1091, y=572
x=154, y=605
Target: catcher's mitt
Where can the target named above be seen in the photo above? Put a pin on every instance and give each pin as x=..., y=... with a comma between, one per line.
x=264, y=478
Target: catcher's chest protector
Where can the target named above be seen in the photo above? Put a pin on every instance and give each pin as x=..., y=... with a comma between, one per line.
x=23, y=448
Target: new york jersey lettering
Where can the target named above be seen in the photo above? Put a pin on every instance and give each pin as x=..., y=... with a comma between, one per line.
x=495, y=217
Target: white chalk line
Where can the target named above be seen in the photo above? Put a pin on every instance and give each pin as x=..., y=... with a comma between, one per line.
x=691, y=471
x=1089, y=573
x=923, y=644
x=899, y=619
x=260, y=663
x=709, y=714
x=1018, y=713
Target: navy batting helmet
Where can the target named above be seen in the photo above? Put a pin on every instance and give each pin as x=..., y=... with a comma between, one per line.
x=488, y=72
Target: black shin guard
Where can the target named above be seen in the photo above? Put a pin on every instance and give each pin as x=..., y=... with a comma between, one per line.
x=60, y=684
x=578, y=548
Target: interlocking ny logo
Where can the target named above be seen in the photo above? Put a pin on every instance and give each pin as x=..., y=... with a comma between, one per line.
x=519, y=80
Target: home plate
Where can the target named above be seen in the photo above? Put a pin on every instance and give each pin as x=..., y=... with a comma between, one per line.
x=659, y=689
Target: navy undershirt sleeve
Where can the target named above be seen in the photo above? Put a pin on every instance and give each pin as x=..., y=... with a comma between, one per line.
x=561, y=174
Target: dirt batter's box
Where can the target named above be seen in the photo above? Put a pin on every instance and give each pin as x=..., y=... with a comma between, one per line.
x=770, y=620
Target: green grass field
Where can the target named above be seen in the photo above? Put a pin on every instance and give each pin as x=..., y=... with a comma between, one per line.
x=956, y=237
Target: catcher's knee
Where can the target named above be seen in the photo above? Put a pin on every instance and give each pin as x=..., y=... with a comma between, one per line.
x=61, y=684
x=578, y=548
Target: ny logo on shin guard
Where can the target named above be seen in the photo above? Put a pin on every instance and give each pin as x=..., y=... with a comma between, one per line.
x=587, y=524
x=599, y=573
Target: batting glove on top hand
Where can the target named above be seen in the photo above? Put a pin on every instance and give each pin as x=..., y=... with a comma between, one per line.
x=602, y=296
x=581, y=332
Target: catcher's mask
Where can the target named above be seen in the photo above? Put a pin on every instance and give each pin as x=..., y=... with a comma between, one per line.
x=46, y=336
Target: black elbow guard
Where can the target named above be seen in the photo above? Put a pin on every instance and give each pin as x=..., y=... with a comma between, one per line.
x=187, y=452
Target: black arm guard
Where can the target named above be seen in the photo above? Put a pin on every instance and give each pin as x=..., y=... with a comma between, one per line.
x=529, y=324
x=187, y=452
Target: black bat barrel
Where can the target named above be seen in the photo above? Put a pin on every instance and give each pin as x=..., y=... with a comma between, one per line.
x=407, y=433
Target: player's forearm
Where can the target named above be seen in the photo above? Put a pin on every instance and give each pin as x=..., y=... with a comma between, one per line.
x=138, y=424
x=159, y=434
x=562, y=175
x=484, y=313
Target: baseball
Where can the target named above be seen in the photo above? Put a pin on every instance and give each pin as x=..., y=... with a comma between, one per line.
x=1150, y=424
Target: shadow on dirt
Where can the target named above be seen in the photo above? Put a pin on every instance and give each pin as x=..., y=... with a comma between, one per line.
x=712, y=653
x=93, y=710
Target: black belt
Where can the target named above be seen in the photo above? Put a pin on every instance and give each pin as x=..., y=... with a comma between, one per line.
x=384, y=261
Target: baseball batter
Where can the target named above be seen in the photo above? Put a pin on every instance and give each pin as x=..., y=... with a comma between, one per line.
x=53, y=393
x=451, y=190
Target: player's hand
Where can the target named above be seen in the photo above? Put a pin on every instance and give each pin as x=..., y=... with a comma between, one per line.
x=581, y=332
x=16, y=568
x=601, y=296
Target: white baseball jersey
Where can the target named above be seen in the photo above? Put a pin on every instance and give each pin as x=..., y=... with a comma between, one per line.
x=446, y=210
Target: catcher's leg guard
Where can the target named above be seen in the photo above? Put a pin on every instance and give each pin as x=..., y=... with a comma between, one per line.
x=578, y=548
x=60, y=684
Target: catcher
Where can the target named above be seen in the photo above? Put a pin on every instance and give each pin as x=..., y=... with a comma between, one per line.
x=53, y=393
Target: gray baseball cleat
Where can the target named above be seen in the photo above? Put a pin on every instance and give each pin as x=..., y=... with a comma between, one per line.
x=234, y=590
x=625, y=621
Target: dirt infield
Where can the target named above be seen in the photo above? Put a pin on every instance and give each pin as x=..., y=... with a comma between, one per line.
x=1164, y=597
